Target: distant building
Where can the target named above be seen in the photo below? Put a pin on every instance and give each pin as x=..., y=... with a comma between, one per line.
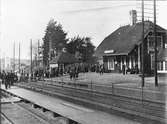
x=62, y=59
x=124, y=46
x=2, y=64
x=23, y=64
x=5, y=64
x=8, y=64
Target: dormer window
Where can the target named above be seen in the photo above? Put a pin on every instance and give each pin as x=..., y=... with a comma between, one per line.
x=151, y=41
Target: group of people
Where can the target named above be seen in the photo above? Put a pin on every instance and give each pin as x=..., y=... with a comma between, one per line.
x=74, y=69
x=98, y=68
x=133, y=70
x=8, y=78
x=73, y=72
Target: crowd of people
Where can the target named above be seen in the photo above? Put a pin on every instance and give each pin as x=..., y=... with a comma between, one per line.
x=8, y=78
x=73, y=70
x=133, y=70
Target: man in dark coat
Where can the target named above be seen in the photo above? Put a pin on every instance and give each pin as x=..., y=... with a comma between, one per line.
x=7, y=81
x=3, y=76
x=123, y=69
x=12, y=76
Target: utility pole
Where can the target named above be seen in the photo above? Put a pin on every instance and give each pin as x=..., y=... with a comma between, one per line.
x=50, y=51
x=38, y=54
x=14, y=57
x=0, y=61
x=143, y=44
x=31, y=56
x=155, y=46
x=19, y=57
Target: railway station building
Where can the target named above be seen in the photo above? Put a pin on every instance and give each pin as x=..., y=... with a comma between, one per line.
x=124, y=46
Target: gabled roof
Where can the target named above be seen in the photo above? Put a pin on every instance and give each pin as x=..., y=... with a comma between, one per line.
x=64, y=58
x=162, y=55
x=124, y=39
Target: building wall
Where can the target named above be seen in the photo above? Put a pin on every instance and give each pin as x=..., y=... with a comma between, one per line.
x=131, y=61
x=114, y=63
x=150, y=56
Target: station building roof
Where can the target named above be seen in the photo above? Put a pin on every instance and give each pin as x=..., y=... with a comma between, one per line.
x=123, y=40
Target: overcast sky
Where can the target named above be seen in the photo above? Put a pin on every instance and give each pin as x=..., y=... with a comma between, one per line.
x=22, y=20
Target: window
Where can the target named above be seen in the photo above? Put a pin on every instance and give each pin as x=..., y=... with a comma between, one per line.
x=151, y=41
x=160, y=66
x=152, y=62
x=110, y=64
x=166, y=65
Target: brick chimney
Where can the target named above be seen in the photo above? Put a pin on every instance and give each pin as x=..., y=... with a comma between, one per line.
x=133, y=17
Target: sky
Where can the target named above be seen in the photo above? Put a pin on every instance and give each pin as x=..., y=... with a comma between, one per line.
x=23, y=20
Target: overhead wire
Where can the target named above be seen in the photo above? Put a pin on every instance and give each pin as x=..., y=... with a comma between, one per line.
x=98, y=9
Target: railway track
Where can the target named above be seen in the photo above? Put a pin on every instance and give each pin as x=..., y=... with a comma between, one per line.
x=114, y=89
x=110, y=91
x=64, y=89
x=28, y=111
x=25, y=107
x=146, y=108
x=5, y=119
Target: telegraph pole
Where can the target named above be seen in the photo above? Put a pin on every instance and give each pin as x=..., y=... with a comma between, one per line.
x=143, y=44
x=31, y=56
x=14, y=57
x=50, y=51
x=155, y=46
x=19, y=57
x=0, y=61
x=38, y=54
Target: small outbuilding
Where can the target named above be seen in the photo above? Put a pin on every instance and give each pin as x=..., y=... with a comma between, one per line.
x=162, y=61
x=63, y=59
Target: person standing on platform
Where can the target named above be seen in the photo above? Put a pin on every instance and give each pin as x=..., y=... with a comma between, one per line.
x=123, y=69
x=11, y=78
x=101, y=69
x=6, y=85
x=3, y=77
x=7, y=81
x=19, y=76
x=15, y=77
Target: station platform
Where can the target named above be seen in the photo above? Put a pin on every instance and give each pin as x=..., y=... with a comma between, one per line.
x=69, y=110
